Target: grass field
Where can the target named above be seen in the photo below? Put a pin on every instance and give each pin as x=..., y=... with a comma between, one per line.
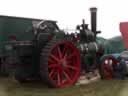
x=100, y=88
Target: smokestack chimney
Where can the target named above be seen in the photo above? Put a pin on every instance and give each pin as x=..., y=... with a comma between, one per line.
x=93, y=11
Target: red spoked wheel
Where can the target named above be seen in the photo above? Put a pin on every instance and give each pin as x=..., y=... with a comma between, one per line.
x=107, y=67
x=63, y=64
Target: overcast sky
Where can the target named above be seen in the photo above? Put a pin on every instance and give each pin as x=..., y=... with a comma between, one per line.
x=69, y=13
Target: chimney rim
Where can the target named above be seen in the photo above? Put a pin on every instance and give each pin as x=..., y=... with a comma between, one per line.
x=93, y=9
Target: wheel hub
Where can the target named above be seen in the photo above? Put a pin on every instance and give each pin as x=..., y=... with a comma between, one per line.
x=64, y=63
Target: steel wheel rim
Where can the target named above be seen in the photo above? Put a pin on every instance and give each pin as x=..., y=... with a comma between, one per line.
x=107, y=67
x=64, y=64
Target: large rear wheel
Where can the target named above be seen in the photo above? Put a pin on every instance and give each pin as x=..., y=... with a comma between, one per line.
x=60, y=64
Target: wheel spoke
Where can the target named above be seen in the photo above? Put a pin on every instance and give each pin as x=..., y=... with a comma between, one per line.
x=53, y=75
x=58, y=78
x=54, y=57
x=64, y=51
x=72, y=67
x=59, y=52
x=67, y=75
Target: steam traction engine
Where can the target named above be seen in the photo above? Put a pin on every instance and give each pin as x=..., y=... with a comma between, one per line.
x=34, y=48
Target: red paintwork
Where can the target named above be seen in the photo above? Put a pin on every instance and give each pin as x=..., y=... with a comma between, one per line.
x=124, y=32
x=64, y=64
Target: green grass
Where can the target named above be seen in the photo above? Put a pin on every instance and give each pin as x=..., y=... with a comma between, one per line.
x=100, y=88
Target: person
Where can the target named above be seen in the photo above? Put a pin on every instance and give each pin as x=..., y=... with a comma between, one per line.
x=120, y=69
